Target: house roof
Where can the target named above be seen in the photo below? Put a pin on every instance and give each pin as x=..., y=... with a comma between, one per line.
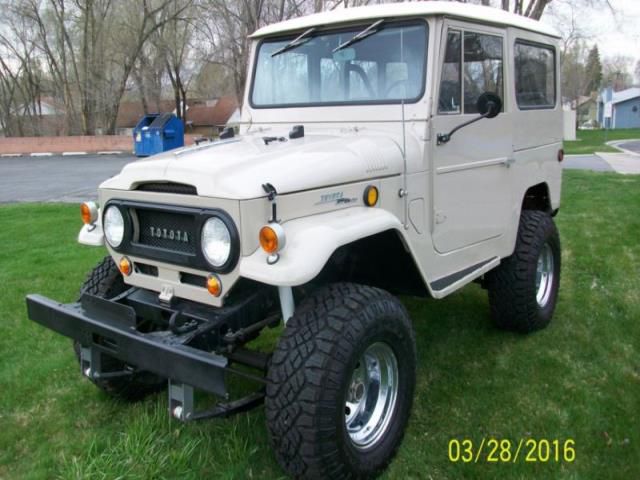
x=216, y=115
x=413, y=9
x=624, y=95
x=129, y=113
x=200, y=112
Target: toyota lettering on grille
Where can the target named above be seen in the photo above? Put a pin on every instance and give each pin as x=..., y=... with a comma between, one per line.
x=169, y=234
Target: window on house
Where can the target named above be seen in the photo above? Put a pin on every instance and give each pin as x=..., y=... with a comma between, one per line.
x=471, y=71
x=535, y=75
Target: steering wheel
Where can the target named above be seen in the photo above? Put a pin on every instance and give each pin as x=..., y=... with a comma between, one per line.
x=394, y=85
x=360, y=71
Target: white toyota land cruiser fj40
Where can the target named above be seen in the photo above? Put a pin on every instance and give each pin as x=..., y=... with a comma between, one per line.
x=397, y=149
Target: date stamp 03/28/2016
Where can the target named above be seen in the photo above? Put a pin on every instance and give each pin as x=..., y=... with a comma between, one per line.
x=496, y=450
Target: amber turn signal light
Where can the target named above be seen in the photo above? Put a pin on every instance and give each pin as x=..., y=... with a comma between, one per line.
x=214, y=286
x=89, y=212
x=272, y=238
x=370, y=196
x=125, y=266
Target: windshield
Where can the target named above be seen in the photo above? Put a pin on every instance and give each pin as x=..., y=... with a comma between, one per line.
x=387, y=66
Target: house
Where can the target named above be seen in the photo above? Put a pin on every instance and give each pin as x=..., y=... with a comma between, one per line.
x=210, y=117
x=40, y=117
x=586, y=109
x=619, y=109
x=44, y=106
x=204, y=117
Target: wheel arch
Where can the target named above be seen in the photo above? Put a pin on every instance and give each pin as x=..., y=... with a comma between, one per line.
x=335, y=246
x=537, y=197
x=381, y=260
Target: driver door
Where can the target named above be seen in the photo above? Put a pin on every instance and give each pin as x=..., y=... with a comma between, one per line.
x=472, y=192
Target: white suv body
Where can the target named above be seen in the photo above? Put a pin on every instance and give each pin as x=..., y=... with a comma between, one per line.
x=410, y=147
x=463, y=199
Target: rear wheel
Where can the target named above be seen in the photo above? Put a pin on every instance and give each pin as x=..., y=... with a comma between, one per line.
x=523, y=289
x=105, y=281
x=340, y=384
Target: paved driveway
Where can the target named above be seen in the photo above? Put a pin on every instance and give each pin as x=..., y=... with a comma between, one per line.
x=586, y=162
x=71, y=179
x=632, y=146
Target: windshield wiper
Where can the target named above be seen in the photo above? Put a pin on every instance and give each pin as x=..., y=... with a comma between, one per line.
x=296, y=42
x=370, y=30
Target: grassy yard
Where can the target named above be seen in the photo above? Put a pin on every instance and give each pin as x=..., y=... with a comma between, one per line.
x=579, y=379
x=590, y=141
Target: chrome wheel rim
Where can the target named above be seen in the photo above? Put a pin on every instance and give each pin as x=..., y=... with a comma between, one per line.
x=544, y=275
x=371, y=395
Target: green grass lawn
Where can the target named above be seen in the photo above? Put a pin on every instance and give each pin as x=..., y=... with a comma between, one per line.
x=590, y=141
x=579, y=379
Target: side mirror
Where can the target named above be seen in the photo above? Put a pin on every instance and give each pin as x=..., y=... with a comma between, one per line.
x=488, y=105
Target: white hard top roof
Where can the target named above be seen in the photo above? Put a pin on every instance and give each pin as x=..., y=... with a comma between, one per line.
x=413, y=9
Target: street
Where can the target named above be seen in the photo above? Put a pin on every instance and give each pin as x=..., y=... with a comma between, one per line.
x=69, y=179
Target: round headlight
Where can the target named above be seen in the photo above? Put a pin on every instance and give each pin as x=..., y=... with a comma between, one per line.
x=216, y=242
x=113, y=226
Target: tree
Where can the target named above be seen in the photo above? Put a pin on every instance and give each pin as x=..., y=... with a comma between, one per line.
x=593, y=71
x=574, y=75
x=616, y=72
x=225, y=25
x=636, y=71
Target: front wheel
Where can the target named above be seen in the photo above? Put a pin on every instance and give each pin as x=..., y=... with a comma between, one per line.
x=340, y=384
x=105, y=281
x=523, y=289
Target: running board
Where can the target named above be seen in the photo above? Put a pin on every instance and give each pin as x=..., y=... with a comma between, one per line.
x=446, y=285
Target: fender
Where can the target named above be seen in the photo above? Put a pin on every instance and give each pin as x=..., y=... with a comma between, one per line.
x=312, y=240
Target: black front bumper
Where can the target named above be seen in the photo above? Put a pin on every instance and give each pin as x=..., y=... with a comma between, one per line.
x=110, y=327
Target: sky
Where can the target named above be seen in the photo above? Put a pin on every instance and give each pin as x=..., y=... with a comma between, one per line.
x=617, y=34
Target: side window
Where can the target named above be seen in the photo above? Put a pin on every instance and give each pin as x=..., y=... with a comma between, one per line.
x=479, y=65
x=482, y=68
x=449, y=99
x=535, y=75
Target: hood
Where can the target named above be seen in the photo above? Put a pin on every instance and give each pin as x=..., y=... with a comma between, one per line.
x=237, y=168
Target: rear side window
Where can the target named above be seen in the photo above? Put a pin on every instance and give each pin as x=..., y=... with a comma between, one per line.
x=473, y=65
x=535, y=75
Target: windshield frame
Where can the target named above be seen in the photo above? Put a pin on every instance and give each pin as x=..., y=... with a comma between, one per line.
x=355, y=28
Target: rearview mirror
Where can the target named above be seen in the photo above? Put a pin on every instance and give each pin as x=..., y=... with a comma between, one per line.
x=489, y=105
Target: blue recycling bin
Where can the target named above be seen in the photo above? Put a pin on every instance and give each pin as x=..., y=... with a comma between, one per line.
x=156, y=133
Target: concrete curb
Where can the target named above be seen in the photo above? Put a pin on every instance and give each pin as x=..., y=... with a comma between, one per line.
x=616, y=143
x=65, y=154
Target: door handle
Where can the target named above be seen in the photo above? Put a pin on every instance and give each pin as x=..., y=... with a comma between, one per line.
x=509, y=161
